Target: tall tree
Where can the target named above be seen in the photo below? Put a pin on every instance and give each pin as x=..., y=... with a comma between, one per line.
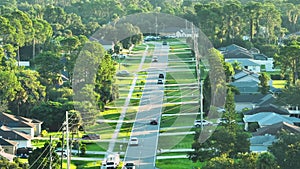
x=30, y=93
x=264, y=83
x=266, y=161
x=286, y=150
x=289, y=60
x=49, y=65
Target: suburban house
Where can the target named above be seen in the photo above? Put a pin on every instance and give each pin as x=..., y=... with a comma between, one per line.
x=22, y=139
x=245, y=75
x=266, y=136
x=276, y=128
x=269, y=108
x=294, y=111
x=8, y=146
x=251, y=101
x=31, y=127
x=9, y=157
x=269, y=118
x=260, y=144
x=248, y=64
x=251, y=60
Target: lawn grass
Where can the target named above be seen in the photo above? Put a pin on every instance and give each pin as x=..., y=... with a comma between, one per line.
x=178, y=163
x=83, y=164
x=175, y=141
x=279, y=83
x=95, y=146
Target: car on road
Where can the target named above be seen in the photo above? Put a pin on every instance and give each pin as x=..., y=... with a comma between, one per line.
x=112, y=161
x=165, y=43
x=129, y=165
x=154, y=59
x=62, y=153
x=154, y=122
x=197, y=123
x=161, y=75
x=160, y=81
x=133, y=141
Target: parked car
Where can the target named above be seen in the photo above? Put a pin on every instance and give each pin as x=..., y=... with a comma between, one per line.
x=129, y=165
x=160, y=81
x=224, y=121
x=134, y=141
x=161, y=75
x=198, y=123
x=91, y=137
x=24, y=156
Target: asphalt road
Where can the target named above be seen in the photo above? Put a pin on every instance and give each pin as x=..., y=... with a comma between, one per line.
x=144, y=154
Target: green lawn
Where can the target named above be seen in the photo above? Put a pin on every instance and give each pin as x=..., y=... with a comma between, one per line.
x=279, y=83
x=178, y=163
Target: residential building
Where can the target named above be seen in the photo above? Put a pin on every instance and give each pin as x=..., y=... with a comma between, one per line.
x=8, y=146
x=276, y=128
x=22, y=139
x=29, y=126
x=260, y=144
x=268, y=118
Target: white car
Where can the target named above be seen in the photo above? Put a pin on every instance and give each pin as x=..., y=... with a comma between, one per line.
x=61, y=152
x=224, y=121
x=198, y=123
x=112, y=161
x=134, y=141
x=129, y=165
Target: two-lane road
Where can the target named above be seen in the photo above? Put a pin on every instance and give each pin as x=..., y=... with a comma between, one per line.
x=144, y=154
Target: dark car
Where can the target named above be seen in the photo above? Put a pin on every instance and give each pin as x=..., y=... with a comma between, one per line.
x=161, y=75
x=159, y=82
x=153, y=122
x=91, y=137
x=165, y=43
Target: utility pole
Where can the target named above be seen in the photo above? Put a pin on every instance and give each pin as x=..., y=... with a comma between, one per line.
x=50, y=154
x=67, y=137
x=62, y=148
x=201, y=99
x=198, y=71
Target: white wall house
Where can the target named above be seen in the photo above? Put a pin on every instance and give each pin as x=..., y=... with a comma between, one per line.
x=27, y=130
x=248, y=64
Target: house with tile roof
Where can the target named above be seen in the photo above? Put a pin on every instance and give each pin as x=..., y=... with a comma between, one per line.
x=260, y=144
x=246, y=63
x=264, y=119
x=251, y=101
x=8, y=146
x=276, y=128
x=269, y=108
x=29, y=126
x=22, y=139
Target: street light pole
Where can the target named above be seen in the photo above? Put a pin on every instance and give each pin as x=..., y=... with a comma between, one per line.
x=201, y=102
